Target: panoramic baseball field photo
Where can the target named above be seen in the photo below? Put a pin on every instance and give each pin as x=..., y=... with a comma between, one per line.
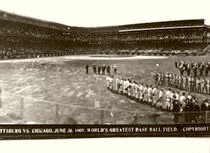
x=141, y=73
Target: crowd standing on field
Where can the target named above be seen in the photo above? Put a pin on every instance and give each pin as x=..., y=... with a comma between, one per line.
x=181, y=82
x=163, y=95
x=164, y=99
x=193, y=68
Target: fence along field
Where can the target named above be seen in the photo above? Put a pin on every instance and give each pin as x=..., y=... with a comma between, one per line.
x=57, y=90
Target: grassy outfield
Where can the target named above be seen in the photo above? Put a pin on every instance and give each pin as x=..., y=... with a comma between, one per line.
x=52, y=89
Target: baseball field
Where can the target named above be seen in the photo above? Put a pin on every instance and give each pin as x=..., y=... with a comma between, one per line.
x=57, y=90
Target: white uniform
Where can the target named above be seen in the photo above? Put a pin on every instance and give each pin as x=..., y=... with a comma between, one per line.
x=150, y=94
x=117, y=84
x=145, y=93
x=177, y=96
x=182, y=100
x=136, y=91
x=120, y=86
x=141, y=90
x=160, y=100
x=130, y=89
x=169, y=95
x=154, y=95
x=126, y=85
x=208, y=86
x=109, y=82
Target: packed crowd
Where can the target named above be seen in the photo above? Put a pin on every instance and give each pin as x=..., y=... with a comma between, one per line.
x=181, y=82
x=164, y=99
x=147, y=51
x=193, y=68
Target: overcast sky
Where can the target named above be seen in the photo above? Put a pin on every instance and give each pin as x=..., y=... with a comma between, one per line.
x=109, y=12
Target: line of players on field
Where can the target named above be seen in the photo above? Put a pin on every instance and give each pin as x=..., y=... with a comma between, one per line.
x=169, y=100
x=188, y=83
x=192, y=68
x=102, y=69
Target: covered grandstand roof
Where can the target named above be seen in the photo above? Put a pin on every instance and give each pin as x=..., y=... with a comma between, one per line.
x=178, y=24
x=162, y=28
x=181, y=24
x=33, y=21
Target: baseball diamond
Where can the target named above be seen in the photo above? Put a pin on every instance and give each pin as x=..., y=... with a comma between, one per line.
x=52, y=90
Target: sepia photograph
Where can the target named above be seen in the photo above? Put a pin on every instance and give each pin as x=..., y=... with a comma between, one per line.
x=104, y=68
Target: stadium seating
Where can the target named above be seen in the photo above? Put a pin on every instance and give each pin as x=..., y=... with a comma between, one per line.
x=23, y=37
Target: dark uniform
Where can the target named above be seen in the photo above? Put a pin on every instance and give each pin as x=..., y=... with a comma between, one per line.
x=204, y=105
x=193, y=84
x=176, y=64
x=187, y=109
x=201, y=68
x=181, y=69
x=94, y=69
x=195, y=70
x=115, y=69
x=188, y=68
x=206, y=68
x=156, y=78
x=108, y=70
x=99, y=69
x=103, y=69
x=204, y=109
x=176, y=109
x=87, y=67
x=196, y=110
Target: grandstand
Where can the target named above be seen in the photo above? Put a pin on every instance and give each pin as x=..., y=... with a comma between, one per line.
x=24, y=37
x=171, y=37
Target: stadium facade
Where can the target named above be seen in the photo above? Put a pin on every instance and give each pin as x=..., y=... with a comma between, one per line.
x=23, y=37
